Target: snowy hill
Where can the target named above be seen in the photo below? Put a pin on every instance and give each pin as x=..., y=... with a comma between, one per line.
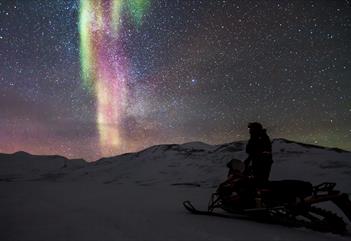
x=138, y=196
x=190, y=163
x=199, y=164
x=24, y=166
x=193, y=164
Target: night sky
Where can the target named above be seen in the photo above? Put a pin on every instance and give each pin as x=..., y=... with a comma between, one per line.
x=87, y=79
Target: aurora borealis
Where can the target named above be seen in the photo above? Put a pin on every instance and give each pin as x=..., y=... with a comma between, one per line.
x=104, y=66
x=89, y=79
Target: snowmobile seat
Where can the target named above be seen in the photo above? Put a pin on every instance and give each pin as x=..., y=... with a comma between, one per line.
x=289, y=190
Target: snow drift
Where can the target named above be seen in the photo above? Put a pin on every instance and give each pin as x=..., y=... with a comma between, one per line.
x=138, y=196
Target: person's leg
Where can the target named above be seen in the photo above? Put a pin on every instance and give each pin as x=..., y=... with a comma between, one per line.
x=267, y=170
x=261, y=172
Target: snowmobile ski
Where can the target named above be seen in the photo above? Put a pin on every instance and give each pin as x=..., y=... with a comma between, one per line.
x=188, y=206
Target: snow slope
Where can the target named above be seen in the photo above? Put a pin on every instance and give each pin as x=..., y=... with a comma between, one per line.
x=138, y=196
x=24, y=166
x=203, y=165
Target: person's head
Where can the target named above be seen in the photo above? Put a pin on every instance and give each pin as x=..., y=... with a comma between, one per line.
x=255, y=128
x=236, y=165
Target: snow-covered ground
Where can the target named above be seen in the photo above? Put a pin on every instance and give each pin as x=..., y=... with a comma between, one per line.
x=139, y=196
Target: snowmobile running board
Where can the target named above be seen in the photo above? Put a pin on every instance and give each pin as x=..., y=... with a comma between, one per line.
x=188, y=206
x=239, y=215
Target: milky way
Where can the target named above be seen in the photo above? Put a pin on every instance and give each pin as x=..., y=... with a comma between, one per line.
x=99, y=78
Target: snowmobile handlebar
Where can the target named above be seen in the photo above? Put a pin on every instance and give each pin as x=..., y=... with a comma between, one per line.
x=324, y=187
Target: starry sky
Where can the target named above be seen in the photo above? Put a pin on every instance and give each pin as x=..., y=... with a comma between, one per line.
x=86, y=79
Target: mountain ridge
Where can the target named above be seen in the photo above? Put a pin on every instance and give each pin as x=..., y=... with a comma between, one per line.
x=191, y=164
x=185, y=145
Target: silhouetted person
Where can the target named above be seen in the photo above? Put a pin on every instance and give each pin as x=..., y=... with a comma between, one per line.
x=259, y=149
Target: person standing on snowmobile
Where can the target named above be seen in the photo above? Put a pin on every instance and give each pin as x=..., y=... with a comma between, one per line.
x=259, y=149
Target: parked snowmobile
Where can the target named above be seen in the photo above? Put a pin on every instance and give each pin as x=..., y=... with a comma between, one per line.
x=288, y=202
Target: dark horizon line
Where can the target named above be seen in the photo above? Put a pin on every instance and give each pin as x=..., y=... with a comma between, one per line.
x=307, y=145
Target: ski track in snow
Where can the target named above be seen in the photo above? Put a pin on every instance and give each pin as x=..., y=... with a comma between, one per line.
x=139, y=196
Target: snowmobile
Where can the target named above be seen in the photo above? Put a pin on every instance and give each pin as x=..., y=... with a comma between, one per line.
x=288, y=202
